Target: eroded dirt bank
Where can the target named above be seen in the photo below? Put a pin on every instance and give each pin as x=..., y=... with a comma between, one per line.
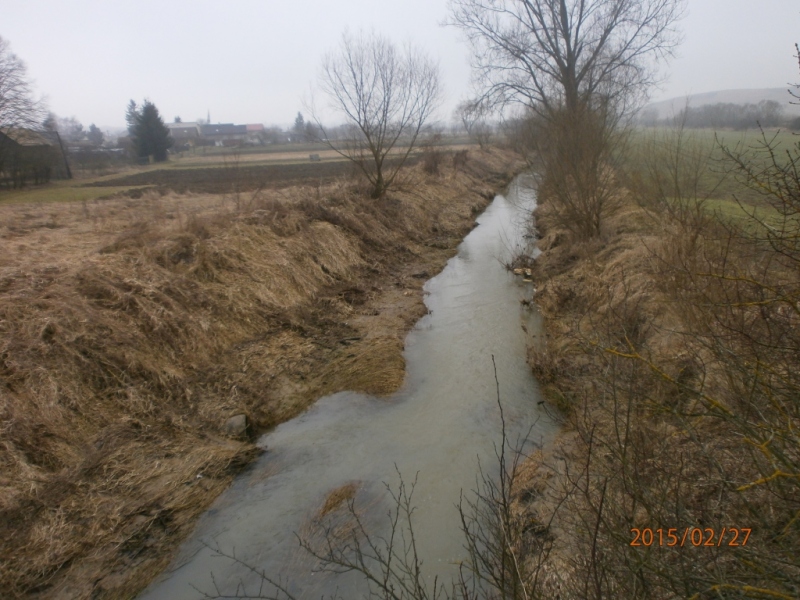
x=133, y=328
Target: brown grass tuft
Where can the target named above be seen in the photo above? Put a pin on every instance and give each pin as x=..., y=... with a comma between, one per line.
x=337, y=497
x=134, y=329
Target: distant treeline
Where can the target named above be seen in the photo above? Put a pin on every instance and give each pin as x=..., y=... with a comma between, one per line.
x=726, y=115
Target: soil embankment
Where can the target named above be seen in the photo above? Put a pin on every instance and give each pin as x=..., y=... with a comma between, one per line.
x=671, y=349
x=132, y=329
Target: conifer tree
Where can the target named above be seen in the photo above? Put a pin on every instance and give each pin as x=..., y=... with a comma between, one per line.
x=150, y=135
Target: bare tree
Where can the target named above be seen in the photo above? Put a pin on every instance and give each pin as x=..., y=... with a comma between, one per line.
x=554, y=54
x=386, y=96
x=71, y=129
x=473, y=115
x=18, y=107
x=577, y=66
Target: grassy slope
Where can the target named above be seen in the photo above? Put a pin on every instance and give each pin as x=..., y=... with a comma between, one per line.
x=132, y=329
x=671, y=380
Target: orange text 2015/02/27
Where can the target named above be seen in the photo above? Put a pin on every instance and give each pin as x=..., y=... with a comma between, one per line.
x=691, y=536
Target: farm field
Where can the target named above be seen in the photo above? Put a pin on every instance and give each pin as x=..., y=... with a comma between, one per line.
x=215, y=178
x=677, y=326
x=699, y=155
x=219, y=171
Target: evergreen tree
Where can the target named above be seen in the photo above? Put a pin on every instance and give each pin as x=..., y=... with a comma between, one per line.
x=299, y=128
x=50, y=123
x=131, y=114
x=150, y=135
x=95, y=135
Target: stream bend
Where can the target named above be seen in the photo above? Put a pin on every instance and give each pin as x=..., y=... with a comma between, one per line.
x=439, y=425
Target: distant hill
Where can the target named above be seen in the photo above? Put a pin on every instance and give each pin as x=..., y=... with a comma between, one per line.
x=667, y=108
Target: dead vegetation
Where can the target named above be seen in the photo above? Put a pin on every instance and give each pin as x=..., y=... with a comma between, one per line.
x=131, y=329
x=337, y=497
x=673, y=349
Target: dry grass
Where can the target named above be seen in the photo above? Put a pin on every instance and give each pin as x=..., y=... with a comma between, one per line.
x=131, y=329
x=337, y=497
x=672, y=351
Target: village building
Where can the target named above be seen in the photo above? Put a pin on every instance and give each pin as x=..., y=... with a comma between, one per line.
x=225, y=134
x=185, y=134
x=28, y=156
x=228, y=134
x=191, y=135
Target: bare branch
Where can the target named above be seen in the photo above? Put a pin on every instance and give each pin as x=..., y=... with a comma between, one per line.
x=549, y=53
x=387, y=96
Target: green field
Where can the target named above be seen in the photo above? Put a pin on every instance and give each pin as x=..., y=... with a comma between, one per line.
x=702, y=162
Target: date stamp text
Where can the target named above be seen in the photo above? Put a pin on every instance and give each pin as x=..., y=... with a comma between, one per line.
x=690, y=536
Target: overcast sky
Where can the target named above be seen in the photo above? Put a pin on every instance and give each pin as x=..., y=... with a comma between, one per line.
x=252, y=61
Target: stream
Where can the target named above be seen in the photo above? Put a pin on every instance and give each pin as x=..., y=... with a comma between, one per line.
x=443, y=421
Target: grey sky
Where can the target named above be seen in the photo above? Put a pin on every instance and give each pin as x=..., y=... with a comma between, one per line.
x=254, y=60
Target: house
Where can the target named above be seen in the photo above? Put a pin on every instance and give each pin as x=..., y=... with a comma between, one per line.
x=256, y=134
x=228, y=134
x=185, y=134
x=224, y=134
x=28, y=156
x=221, y=134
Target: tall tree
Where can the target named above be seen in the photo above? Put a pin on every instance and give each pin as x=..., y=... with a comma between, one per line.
x=95, y=135
x=386, y=96
x=71, y=129
x=473, y=116
x=150, y=135
x=50, y=122
x=312, y=132
x=558, y=54
x=577, y=67
x=299, y=129
x=18, y=107
x=131, y=116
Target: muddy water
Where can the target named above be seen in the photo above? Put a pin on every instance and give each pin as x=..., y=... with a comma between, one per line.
x=443, y=421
